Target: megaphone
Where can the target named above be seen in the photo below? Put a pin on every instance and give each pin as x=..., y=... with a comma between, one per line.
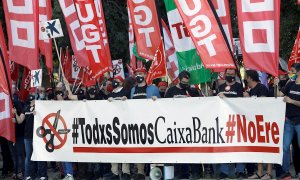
x=156, y=173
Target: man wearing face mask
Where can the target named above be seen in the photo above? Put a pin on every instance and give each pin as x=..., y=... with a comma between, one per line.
x=28, y=117
x=162, y=87
x=182, y=88
x=142, y=91
x=41, y=94
x=118, y=93
x=231, y=89
x=291, y=94
x=257, y=89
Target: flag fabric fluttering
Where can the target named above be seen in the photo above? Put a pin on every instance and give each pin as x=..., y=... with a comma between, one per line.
x=158, y=67
x=7, y=127
x=22, y=28
x=259, y=25
x=295, y=55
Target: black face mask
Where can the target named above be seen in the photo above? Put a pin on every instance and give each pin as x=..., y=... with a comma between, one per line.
x=162, y=94
x=139, y=79
x=59, y=93
x=92, y=91
x=31, y=98
x=80, y=92
x=282, y=83
x=115, y=84
x=184, y=86
x=230, y=79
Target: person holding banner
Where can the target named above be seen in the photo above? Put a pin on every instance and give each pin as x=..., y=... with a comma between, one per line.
x=257, y=89
x=28, y=117
x=67, y=166
x=142, y=91
x=291, y=94
x=118, y=93
x=182, y=90
x=231, y=89
x=162, y=87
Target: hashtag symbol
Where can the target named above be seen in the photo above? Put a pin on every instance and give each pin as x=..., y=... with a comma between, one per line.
x=75, y=130
x=230, y=128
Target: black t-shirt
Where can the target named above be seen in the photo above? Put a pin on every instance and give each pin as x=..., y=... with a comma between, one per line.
x=19, y=127
x=175, y=92
x=98, y=96
x=235, y=90
x=119, y=94
x=292, y=90
x=29, y=118
x=140, y=92
x=259, y=90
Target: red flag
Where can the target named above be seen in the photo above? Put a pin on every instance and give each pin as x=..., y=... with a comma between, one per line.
x=295, y=55
x=202, y=24
x=7, y=127
x=14, y=71
x=131, y=40
x=22, y=28
x=171, y=57
x=25, y=86
x=67, y=66
x=223, y=11
x=99, y=63
x=146, y=27
x=45, y=14
x=75, y=33
x=259, y=23
x=158, y=66
x=102, y=24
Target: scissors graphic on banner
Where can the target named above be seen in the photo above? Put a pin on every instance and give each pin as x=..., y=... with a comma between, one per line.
x=42, y=132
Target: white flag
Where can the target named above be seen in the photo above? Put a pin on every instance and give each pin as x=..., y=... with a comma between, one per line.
x=36, y=78
x=118, y=69
x=75, y=68
x=51, y=29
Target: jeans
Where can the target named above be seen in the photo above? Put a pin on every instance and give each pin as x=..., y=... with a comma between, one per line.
x=17, y=151
x=290, y=129
x=68, y=168
x=33, y=168
x=225, y=168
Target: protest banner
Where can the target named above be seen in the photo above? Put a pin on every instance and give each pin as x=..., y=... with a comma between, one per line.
x=181, y=130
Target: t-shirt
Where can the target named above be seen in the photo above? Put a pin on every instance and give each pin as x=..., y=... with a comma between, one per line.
x=235, y=90
x=19, y=127
x=292, y=90
x=119, y=94
x=259, y=90
x=140, y=92
x=175, y=92
x=29, y=118
x=98, y=96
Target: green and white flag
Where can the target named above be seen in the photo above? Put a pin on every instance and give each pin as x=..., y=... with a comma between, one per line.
x=188, y=58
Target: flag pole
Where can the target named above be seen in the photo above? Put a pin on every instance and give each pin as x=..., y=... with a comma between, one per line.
x=76, y=79
x=59, y=59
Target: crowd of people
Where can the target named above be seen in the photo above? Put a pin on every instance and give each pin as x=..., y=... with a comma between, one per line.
x=17, y=156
